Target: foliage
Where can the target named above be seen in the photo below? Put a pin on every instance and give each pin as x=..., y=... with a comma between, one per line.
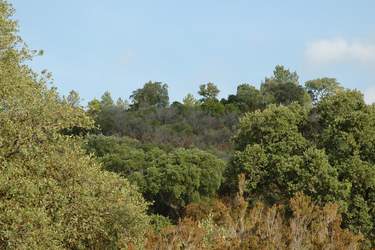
x=159, y=222
x=326, y=152
x=169, y=179
x=208, y=91
x=105, y=112
x=318, y=140
x=189, y=101
x=346, y=128
x=153, y=94
x=73, y=99
x=258, y=227
x=247, y=98
x=279, y=161
x=207, y=124
x=52, y=195
x=283, y=88
x=179, y=125
x=322, y=87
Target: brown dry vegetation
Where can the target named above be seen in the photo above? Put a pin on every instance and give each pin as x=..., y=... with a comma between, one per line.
x=234, y=225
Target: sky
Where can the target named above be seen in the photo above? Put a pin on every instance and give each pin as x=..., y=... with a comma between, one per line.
x=94, y=46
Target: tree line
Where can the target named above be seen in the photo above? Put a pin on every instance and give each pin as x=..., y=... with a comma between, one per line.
x=207, y=123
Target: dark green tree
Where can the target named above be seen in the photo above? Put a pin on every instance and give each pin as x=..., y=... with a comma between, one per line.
x=247, y=99
x=152, y=94
x=347, y=134
x=170, y=179
x=326, y=152
x=283, y=88
x=209, y=101
x=279, y=162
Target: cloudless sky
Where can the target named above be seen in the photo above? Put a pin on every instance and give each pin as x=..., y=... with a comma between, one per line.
x=92, y=46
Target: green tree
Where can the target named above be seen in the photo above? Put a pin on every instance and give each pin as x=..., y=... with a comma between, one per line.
x=106, y=100
x=189, y=101
x=73, y=99
x=93, y=108
x=279, y=162
x=347, y=133
x=107, y=113
x=282, y=75
x=208, y=91
x=170, y=179
x=122, y=104
x=209, y=101
x=322, y=87
x=283, y=88
x=190, y=175
x=213, y=107
x=247, y=98
x=326, y=152
x=52, y=195
x=152, y=94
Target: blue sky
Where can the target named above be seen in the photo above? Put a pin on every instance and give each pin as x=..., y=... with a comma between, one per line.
x=92, y=46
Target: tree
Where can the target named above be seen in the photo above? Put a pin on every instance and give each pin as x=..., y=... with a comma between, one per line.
x=73, y=99
x=279, y=162
x=52, y=195
x=153, y=94
x=189, y=101
x=208, y=91
x=209, y=100
x=93, y=108
x=122, y=104
x=106, y=113
x=347, y=134
x=282, y=75
x=326, y=152
x=322, y=87
x=170, y=180
x=247, y=98
x=213, y=107
x=106, y=100
x=283, y=88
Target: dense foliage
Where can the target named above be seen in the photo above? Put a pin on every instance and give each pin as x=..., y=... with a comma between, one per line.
x=327, y=152
x=206, y=123
x=235, y=225
x=52, y=195
x=170, y=179
x=151, y=174
x=177, y=125
x=316, y=139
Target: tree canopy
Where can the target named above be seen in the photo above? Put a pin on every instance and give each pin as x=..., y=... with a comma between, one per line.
x=276, y=151
x=170, y=180
x=52, y=195
x=283, y=88
x=153, y=94
x=322, y=87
